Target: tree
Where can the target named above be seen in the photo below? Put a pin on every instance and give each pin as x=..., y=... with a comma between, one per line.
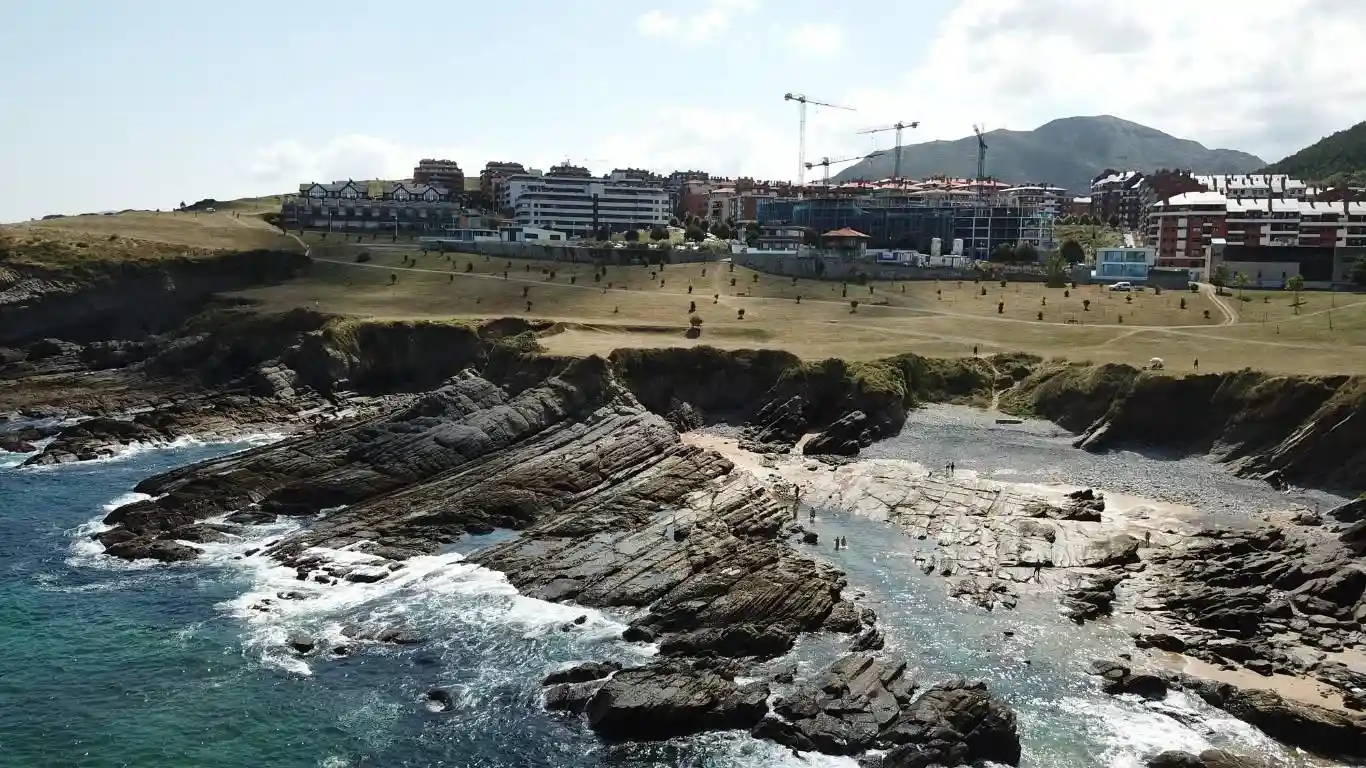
x=1219, y=278
x=1113, y=221
x=1359, y=272
x=1055, y=267
x=1026, y=253
x=1072, y=252
x=694, y=234
x=631, y=235
x=1002, y=253
x=1296, y=284
x=658, y=232
x=1240, y=280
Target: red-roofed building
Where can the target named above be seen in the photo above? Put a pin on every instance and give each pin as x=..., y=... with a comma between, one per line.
x=849, y=243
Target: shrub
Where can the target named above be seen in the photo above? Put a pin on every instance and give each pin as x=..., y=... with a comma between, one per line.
x=1000, y=307
x=1086, y=305
x=1040, y=316
x=362, y=257
x=695, y=321
x=1183, y=303
x=1207, y=314
x=853, y=306
x=1129, y=299
x=740, y=314
x=1195, y=288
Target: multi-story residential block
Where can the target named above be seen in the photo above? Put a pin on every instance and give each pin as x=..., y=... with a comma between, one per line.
x=1183, y=228
x=493, y=179
x=1254, y=185
x=440, y=173
x=371, y=205
x=579, y=205
x=1186, y=227
x=1116, y=195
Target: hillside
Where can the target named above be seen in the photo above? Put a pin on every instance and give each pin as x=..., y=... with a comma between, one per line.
x=1068, y=152
x=1341, y=154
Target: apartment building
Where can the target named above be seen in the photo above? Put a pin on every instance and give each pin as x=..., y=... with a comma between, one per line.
x=1117, y=194
x=1254, y=185
x=1043, y=198
x=493, y=179
x=736, y=204
x=398, y=206
x=579, y=205
x=440, y=173
x=1184, y=228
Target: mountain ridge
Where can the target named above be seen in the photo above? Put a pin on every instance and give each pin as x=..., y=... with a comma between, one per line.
x=1339, y=156
x=1067, y=152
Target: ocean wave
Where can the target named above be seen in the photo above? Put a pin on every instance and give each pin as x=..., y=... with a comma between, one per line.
x=132, y=450
x=1132, y=730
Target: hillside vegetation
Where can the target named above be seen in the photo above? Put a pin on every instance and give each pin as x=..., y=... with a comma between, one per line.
x=1339, y=158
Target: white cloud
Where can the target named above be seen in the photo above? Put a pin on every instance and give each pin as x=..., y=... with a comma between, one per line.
x=818, y=40
x=1264, y=76
x=289, y=162
x=712, y=18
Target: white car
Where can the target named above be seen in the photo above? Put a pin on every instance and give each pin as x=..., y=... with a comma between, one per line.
x=1122, y=287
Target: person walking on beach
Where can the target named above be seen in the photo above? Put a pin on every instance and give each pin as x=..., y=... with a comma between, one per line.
x=952, y=467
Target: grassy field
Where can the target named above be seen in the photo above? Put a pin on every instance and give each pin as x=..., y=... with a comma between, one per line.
x=628, y=306
x=139, y=236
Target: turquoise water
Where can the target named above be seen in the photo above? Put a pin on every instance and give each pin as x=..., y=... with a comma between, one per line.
x=103, y=663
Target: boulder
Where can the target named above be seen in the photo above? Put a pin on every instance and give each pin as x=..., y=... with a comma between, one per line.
x=739, y=640
x=589, y=670
x=844, y=618
x=1222, y=758
x=954, y=723
x=1174, y=759
x=141, y=548
x=301, y=643
x=571, y=697
x=845, y=709
x=845, y=437
x=439, y=700
x=671, y=699
x=15, y=444
x=1118, y=678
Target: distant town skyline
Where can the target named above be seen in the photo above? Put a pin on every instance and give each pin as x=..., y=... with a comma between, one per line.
x=132, y=106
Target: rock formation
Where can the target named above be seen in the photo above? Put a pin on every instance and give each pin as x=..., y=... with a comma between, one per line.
x=862, y=702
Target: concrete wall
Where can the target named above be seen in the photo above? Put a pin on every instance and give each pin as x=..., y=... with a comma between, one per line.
x=836, y=268
x=578, y=254
x=1270, y=272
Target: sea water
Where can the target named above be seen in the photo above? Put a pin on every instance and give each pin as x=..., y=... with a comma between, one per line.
x=109, y=663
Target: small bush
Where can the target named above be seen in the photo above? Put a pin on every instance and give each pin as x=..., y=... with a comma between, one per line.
x=1000, y=307
x=695, y=321
x=1041, y=316
x=1086, y=305
x=362, y=257
x=1195, y=288
x=853, y=306
x=1207, y=314
x=1129, y=299
x=740, y=314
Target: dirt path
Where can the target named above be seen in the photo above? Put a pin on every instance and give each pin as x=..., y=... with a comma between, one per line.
x=1230, y=316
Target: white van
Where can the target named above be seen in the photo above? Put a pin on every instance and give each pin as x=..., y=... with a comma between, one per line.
x=1122, y=286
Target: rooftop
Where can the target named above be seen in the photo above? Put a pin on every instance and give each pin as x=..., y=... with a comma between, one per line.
x=845, y=232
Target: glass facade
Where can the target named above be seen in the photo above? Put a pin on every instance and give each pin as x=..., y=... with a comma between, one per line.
x=1122, y=263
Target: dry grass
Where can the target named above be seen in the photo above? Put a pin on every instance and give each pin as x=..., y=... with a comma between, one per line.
x=638, y=311
x=136, y=236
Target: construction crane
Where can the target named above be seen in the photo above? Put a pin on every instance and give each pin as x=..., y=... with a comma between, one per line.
x=826, y=162
x=981, y=160
x=898, y=127
x=802, y=101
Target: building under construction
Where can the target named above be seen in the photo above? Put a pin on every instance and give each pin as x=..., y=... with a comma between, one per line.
x=900, y=221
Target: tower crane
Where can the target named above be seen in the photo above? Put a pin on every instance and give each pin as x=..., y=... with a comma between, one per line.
x=981, y=159
x=826, y=162
x=898, y=127
x=802, y=101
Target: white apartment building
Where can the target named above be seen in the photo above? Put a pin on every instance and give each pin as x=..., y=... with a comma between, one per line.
x=1042, y=198
x=577, y=204
x=1254, y=185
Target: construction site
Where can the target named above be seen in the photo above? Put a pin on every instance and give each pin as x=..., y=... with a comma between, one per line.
x=974, y=215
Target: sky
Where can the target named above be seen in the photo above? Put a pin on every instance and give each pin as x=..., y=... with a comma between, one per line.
x=147, y=103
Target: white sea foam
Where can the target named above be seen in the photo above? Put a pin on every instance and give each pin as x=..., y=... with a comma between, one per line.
x=1132, y=729
x=423, y=590
x=125, y=452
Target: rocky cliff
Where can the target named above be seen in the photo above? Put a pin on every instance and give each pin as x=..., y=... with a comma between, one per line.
x=1306, y=430
x=126, y=300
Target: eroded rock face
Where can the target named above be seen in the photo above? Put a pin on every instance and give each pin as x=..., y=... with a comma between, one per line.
x=671, y=699
x=864, y=701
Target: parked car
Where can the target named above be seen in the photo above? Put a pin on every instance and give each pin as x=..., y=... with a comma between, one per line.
x=1123, y=286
